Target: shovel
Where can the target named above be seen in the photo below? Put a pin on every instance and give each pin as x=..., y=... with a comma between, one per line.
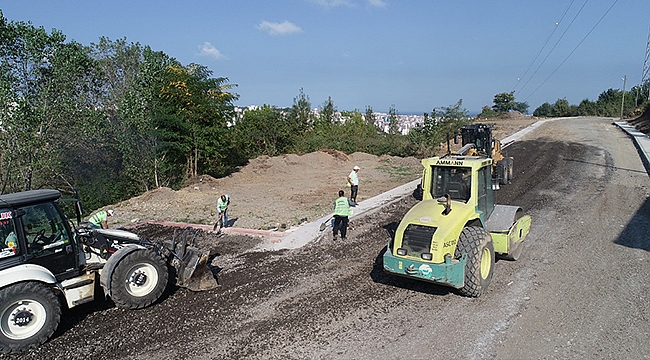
x=323, y=225
x=216, y=227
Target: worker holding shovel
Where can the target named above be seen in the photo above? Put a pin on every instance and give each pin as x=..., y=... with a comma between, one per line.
x=222, y=209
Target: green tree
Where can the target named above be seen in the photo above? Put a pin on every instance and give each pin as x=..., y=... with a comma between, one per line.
x=452, y=118
x=504, y=102
x=328, y=112
x=393, y=121
x=562, y=108
x=198, y=108
x=522, y=107
x=300, y=116
x=426, y=138
x=609, y=102
x=437, y=127
x=120, y=162
x=587, y=108
x=487, y=112
x=46, y=88
x=544, y=110
x=370, y=116
x=262, y=131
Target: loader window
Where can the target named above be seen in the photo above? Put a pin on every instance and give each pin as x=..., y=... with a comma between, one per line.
x=455, y=181
x=44, y=229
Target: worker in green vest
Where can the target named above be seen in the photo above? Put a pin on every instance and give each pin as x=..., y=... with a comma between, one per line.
x=222, y=209
x=100, y=219
x=342, y=212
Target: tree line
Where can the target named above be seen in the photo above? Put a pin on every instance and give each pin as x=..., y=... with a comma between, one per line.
x=114, y=119
x=610, y=103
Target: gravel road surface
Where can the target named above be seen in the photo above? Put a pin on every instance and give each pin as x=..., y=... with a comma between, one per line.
x=578, y=291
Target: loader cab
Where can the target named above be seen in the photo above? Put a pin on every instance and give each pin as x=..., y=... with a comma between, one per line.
x=479, y=135
x=43, y=236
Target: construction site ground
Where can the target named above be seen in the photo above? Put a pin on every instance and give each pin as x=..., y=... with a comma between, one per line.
x=579, y=290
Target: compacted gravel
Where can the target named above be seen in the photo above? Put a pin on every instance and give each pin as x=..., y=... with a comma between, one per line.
x=579, y=290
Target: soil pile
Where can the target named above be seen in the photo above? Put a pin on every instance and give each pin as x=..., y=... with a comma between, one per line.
x=271, y=192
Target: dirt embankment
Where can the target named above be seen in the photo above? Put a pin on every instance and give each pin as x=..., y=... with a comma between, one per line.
x=642, y=123
x=271, y=192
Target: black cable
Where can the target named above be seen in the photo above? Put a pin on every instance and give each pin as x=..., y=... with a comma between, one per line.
x=574, y=49
x=555, y=45
x=543, y=46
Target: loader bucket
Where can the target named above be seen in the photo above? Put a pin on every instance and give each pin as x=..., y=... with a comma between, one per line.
x=191, y=264
x=193, y=272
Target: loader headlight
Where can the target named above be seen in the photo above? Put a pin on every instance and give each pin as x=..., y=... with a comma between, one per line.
x=426, y=256
x=401, y=251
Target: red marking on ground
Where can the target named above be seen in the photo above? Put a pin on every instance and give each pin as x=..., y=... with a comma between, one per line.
x=207, y=228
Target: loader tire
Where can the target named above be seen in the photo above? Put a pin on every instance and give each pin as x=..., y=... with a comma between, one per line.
x=139, y=279
x=30, y=312
x=477, y=244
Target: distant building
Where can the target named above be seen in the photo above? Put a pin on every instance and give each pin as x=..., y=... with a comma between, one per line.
x=382, y=120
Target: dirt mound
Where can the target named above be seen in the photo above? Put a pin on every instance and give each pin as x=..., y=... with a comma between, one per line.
x=200, y=180
x=337, y=154
x=512, y=115
x=271, y=191
x=642, y=123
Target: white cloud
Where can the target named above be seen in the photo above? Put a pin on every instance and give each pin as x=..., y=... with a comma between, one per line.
x=208, y=49
x=332, y=3
x=328, y=4
x=284, y=28
x=377, y=3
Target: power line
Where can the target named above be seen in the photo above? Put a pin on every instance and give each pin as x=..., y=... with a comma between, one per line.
x=555, y=45
x=574, y=49
x=543, y=46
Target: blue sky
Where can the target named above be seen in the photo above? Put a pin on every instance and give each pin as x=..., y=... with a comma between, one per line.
x=411, y=54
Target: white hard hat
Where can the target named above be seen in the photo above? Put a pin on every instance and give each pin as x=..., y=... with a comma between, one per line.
x=355, y=168
x=110, y=212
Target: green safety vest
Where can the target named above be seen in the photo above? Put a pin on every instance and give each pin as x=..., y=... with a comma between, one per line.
x=223, y=205
x=99, y=218
x=342, y=207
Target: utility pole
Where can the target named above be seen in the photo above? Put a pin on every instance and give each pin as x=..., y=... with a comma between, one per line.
x=623, y=101
x=645, y=77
